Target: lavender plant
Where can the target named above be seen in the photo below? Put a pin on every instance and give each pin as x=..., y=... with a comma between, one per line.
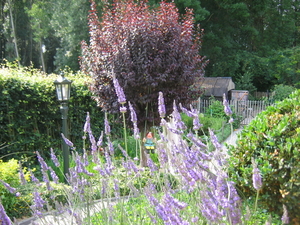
x=205, y=193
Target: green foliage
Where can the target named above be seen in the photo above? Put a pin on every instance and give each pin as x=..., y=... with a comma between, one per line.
x=273, y=140
x=30, y=119
x=215, y=109
x=245, y=82
x=9, y=173
x=282, y=91
x=214, y=112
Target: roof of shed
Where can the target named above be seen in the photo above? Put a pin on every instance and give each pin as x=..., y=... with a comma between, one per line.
x=216, y=86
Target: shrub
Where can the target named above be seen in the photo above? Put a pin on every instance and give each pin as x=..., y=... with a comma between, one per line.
x=9, y=173
x=273, y=140
x=30, y=119
x=282, y=91
x=216, y=110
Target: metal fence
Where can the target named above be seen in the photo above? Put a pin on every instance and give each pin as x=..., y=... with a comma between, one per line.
x=246, y=110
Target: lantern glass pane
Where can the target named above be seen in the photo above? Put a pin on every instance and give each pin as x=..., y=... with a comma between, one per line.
x=65, y=92
x=59, y=92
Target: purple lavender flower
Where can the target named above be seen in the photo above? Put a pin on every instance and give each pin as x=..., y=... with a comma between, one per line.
x=177, y=118
x=22, y=176
x=175, y=202
x=116, y=188
x=54, y=158
x=256, y=177
x=5, y=220
x=227, y=109
x=194, y=114
x=93, y=141
x=42, y=162
x=123, y=151
x=175, y=131
x=53, y=175
x=161, y=212
x=33, y=178
x=123, y=109
x=100, y=140
x=162, y=153
x=38, y=204
x=87, y=125
x=136, y=131
x=214, y=140
x=67, y=141
x=46, y=180
x=8, y=187
x=106, y=125
x=187, y=112
x=231, y=120
x=110, y=146
x=161, y=105
x=196, y=140
x=151, y=164
x=285, y=218
x=119, y=91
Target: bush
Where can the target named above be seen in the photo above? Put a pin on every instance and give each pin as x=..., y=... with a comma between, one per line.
x=282, y=91
x=16, y=206
x=273, y=140
x=30, y=119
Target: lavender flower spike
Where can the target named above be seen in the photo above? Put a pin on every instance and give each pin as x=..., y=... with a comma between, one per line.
x=285, y=217
x=119, y=91
x=87, y=125
x=67, y=141
x=21, y=173
x=106, y=125
x=214, y=140
x=3, y=216
x=54, y=158
x=161, y=105
x=227, y=109
x=256, y=177
x=134, y=121
x=8, y=187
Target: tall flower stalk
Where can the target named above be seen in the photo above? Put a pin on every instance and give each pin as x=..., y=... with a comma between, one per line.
x=228, y=111
x=257, y=181
x=122, y=101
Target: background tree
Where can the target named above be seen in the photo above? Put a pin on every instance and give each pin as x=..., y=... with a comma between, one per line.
x=243, y=36
x=148, y=51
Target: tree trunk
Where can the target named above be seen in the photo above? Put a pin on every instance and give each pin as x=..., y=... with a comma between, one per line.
x=42, y=56
x=14, y=32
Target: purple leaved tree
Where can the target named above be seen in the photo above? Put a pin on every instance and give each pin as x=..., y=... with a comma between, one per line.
x=148, y=51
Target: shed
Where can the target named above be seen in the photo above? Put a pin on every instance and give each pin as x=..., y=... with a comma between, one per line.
x=239, y=95
x=215, y=86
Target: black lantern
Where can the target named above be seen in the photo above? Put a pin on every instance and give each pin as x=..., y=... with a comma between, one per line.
x=63, y=88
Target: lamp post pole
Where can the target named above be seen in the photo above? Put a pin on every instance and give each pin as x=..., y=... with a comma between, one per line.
x=66, y=151
x=63, y=88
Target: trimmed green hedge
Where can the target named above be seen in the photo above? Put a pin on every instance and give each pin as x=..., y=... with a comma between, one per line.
x=272, y=139
x=30, y=119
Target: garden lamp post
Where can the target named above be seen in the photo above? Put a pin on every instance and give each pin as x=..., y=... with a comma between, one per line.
x=63, y=89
